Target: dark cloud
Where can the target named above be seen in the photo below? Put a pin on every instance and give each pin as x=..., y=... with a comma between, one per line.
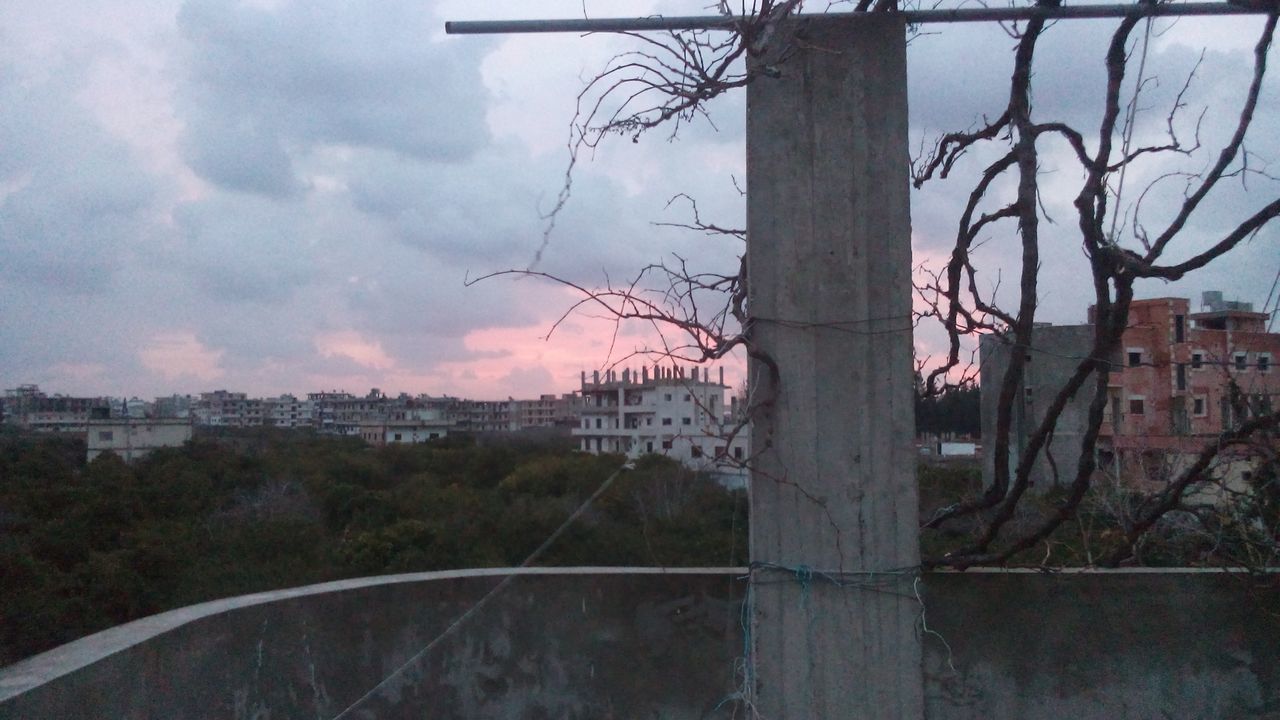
x=246, y=249
x=269, y=85
x=71, y=196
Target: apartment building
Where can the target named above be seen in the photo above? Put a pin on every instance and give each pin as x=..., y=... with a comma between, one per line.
x=30, y=408
x=286, y=411
x=222, y=408
x=1180, y=379
x=546, y=411
x=670, y=413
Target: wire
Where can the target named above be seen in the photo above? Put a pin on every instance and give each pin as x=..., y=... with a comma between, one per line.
x=506, y=580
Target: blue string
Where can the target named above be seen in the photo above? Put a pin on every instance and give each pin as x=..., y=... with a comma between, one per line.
x=748, y=670
x=804, y=575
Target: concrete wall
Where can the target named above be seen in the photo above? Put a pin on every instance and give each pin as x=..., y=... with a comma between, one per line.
x=556, y=645
x=1057, y=352
x=1107, y=646
x=132, y=438
x=621, y=644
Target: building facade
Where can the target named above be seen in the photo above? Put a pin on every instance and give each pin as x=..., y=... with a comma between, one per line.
x=681, y=416
x=133, y=438
x=1180, y=379
x=26, y=406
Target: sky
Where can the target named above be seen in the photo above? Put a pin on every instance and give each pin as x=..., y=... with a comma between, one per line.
x=284, y=196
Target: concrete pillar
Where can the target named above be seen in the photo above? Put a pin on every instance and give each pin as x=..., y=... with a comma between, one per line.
x=833, y=493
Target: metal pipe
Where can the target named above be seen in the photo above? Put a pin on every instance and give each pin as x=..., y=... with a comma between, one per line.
x=916, y=17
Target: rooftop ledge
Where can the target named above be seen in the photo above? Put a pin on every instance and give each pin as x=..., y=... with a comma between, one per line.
x=575, y=642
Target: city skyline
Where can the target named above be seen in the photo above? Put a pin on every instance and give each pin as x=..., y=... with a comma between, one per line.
x=273, y=195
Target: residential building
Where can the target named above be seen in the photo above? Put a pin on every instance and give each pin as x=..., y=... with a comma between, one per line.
x=28, y=407
x=132, y=438
x=682, y=417
x=221, y=408
x=546, y=411
x=173, y=406
x=1179, y=380
x=410, y=420
x=323, y=408
x=286, y=411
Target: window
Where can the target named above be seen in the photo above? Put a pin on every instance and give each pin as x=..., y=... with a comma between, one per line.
x=737, y=453
x=434, y=436
x=666, y=444
x=586, y=422
x=1241, y=360
x=648, y=421
x=696, y=451
x=105, y=436
x=688, y=397
x=1197, y=360
x=1180, y=376
x=398, y=438
x=1199, y=407
x=1135, y=357
x=686, y=421
x=720, y=450
x=598, y=424
x=648, y=447
x=1179, y=328
x=667, y=397
x=1264, y=362
x=1136, y=405
x=666, y=421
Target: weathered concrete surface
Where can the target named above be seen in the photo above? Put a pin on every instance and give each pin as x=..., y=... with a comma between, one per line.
x=616, y=644
x=1102, y=646
x=1056, y=353
x=553, y=644
x=829, y=277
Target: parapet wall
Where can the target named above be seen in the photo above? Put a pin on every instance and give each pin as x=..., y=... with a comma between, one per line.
x=628, y=643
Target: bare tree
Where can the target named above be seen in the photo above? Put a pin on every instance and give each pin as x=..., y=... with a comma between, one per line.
x=1116, y=262
x=668, y=82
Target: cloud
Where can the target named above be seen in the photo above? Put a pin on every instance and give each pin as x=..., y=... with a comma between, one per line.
x=71, y=196
x=180, y=355
x=353, y=346
x=270, y=84
x=292, y=194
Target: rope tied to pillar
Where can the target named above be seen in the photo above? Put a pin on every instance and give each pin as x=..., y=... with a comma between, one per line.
x=760, y=572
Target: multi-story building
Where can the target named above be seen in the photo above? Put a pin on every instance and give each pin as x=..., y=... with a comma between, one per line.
x=546, y=411
x=323, y=408
x=173, y=406
x=346, y=412
x=28, y=407
x=410, y=420
x=682, y=417
x=1179, y=380
x=221, y=408
x=286, y=411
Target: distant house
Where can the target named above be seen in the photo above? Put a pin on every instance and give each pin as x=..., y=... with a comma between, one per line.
x=29, y=408
x=682, y=417
x=133, y=438
x=1179, y=380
